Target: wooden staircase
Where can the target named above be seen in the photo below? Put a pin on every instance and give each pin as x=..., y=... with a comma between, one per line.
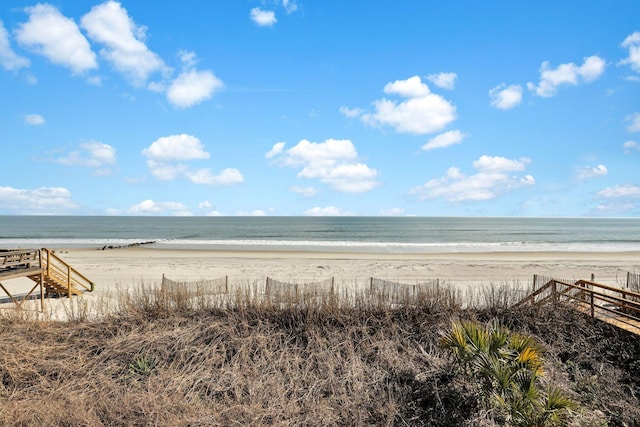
x=49, y=272
x=613, y=305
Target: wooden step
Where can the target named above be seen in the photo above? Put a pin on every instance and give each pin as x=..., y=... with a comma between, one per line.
x=58, y=288
x=612, y=318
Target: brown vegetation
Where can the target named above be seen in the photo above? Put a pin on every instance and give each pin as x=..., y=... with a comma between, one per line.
x=168, y=358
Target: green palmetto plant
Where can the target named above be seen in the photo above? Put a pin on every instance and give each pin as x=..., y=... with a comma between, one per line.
x=508, y=367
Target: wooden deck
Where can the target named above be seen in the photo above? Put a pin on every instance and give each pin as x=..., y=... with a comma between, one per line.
x=49, y=273
x=19, y=263
x=616, y=306
x=610, y=316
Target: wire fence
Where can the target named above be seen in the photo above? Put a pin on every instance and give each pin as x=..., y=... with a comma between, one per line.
x=383, y=291
x=201, y=287
x=633, y=282
x=279, y=291
x=400, y=293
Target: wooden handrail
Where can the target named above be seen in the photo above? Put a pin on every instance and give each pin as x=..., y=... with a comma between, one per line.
x=599, y=298
x=531, y=297
x=19, y=258
x=610, y=288
x=547, y=286
x=627, y=303
x=73, y=277
x=617, y=301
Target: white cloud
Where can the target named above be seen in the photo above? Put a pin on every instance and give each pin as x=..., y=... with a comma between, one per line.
x=176, y=148
x=188, y=58
x=317, y=155
x=392, y=212
x=56, y=37
x=444, y=140
x=423, y=112
x=34, y=119
x=490, y=181
x=612, y=209
x=166, y=171
x=290, y=6
x=351, y=112
x=409, y=88
x=632, y=42
x=500, y=164
x=327, y=211
x=505, y=97
x=149, y=207
x=277, y=148
x=110, y=25
x=205, y=205
x=618, y=200
x=167, y=155
x=9, y=60
x=193, y=87
x=587, y=172
x=349, y=178
x=228, y=176
x=634, y=122
x=333, y=162
x=305, y=191
x=626, y=191
x=42, y=201
x=208, y=207
x=443, y=80
x=93, y=154
x=263, y=18
x=629, y=146
x=567, y=75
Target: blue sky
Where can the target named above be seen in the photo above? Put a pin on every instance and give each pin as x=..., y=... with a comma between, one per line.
x=300, y=107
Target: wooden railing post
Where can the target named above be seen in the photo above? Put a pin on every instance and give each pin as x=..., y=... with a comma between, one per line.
x=593, y=311
x=48, y=263
x=554, y=291
x=41, y=291
x=68, y=281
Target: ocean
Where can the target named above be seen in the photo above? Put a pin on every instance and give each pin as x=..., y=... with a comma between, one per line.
x=359, y=234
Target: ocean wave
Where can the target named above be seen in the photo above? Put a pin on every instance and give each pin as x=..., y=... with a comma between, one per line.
x=327, y=246
x=396, y=247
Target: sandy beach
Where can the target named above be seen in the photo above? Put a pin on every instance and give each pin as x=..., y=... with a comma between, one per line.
x=114, y=270
x=127, y=267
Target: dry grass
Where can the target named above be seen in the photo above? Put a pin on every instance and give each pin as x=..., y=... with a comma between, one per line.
x=175, y=358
